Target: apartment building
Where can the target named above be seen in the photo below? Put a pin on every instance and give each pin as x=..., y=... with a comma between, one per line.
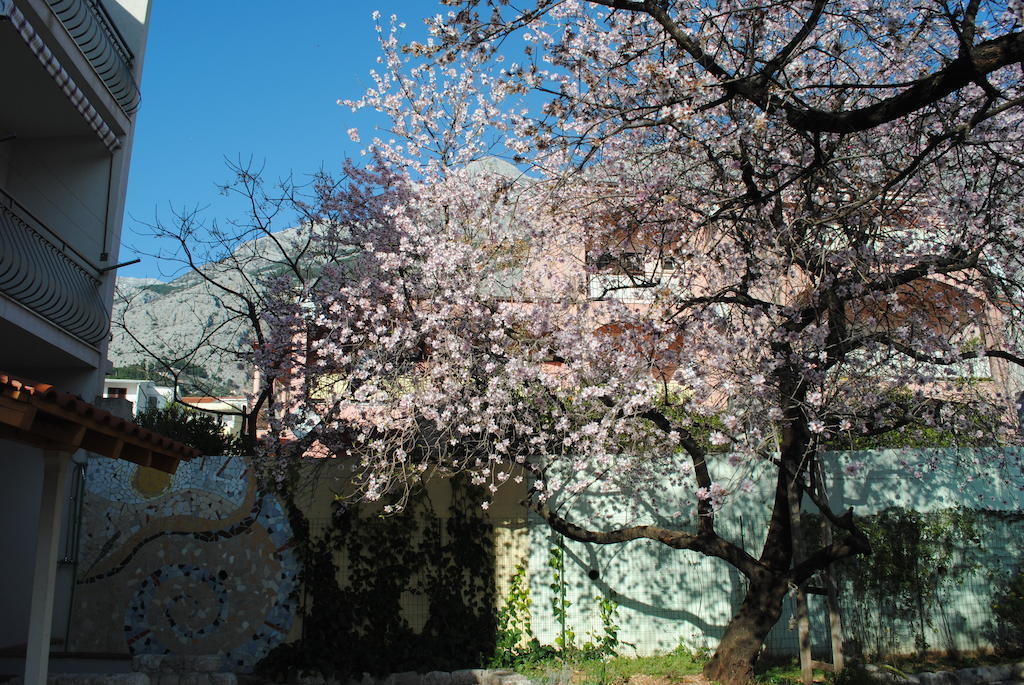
x=142, y=394
x=69, y=75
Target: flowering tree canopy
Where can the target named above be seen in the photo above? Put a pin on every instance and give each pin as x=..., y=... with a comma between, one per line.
x=732, y=236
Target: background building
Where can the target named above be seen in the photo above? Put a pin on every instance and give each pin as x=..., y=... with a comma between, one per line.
x=144, y=395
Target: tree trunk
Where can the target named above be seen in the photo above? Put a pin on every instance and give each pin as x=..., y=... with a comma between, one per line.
x=733, y=662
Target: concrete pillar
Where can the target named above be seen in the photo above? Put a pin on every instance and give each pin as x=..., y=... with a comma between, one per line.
x=40, y=624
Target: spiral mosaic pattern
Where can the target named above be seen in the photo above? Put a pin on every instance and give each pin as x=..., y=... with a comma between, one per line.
x=198, y=563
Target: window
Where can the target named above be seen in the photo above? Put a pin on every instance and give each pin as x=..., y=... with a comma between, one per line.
x=622, y=263
x=119, y=393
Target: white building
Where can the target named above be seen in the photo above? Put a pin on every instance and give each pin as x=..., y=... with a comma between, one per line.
x=228, y=410
x=69, y=74
x=143, y=395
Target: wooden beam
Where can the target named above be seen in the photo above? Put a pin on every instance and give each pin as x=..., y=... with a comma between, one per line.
x=50, y=426
x=62, y=431
x=15, y=413
x=102, y=443
x=164, y=463
x=142, y=456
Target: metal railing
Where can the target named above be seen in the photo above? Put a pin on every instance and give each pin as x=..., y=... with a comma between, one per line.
x=91, y=27
x=44, y=274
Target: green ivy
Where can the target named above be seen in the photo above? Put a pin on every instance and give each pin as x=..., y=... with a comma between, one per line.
x=516, y=646
x=194, y=428
x=914, y=556
x=1008, y=608
x=357, y=625
x=559, y=604
x=514, y=624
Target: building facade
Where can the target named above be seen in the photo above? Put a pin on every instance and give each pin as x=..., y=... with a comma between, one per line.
x=144, y=395
x=68, y=96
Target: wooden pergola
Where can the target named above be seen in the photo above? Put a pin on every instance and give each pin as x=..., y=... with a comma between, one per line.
x=59, y=424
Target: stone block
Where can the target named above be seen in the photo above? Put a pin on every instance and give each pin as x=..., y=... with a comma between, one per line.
x=206, y=663
x=994, y=674
x=437, y=678
x=147, y=663
x=135, y=679
x=223, y=679
x=493, y=676
x=513, y=679
x=469, y=676
x=940, y=678
x=968, y=676
x=367, y=679
x=404, y=678
x=169, y=679
x=171, y=664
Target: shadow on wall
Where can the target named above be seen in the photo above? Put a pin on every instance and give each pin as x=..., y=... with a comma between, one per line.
x=670, y=597
x=665, y=597
x=200, y=562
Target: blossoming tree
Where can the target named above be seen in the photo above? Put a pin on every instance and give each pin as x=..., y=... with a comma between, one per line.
x=733, y=235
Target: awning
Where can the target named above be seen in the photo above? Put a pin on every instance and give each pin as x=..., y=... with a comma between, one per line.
x=41, y=415
x=52, y=65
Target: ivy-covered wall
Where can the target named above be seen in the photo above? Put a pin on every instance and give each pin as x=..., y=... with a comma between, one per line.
x=409, y=591
x=205, y=562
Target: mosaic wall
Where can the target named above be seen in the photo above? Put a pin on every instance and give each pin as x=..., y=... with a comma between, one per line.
x=200, y=562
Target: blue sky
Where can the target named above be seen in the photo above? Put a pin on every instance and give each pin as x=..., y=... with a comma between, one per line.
x=240, y=80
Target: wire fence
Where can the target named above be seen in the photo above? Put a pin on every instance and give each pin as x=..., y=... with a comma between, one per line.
x=666, y=598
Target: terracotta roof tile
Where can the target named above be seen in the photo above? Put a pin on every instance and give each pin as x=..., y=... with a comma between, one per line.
x=31, y=397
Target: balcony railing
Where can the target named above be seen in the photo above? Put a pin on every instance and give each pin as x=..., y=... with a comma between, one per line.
x=96, y=34
x=46, y=275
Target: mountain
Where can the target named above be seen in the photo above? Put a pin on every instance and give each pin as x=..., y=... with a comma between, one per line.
x=189, y=323
x=171, y=320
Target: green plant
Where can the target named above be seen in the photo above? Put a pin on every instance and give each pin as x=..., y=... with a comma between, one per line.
x=517, y=647
x=359, y=573
x=514, y=625
x=607, y=642
x=559, y=604
x=194, y=428
x=1008, y=609
x=914, y=556
x=973, y=427
x=613, y=670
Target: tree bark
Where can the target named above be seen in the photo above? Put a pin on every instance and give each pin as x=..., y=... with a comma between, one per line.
x=733, y=662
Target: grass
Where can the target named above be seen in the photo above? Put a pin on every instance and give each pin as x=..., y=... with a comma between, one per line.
x=682, y=662
x=613, y=670
x=787, y=673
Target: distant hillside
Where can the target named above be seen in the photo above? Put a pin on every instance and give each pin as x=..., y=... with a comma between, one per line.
x=174, y=318
x=187, y=314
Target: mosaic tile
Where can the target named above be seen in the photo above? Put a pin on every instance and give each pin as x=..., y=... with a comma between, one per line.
x=199, y=564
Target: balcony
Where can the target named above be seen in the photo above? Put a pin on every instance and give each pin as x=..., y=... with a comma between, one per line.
x=42, y=273
x=96, y=34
